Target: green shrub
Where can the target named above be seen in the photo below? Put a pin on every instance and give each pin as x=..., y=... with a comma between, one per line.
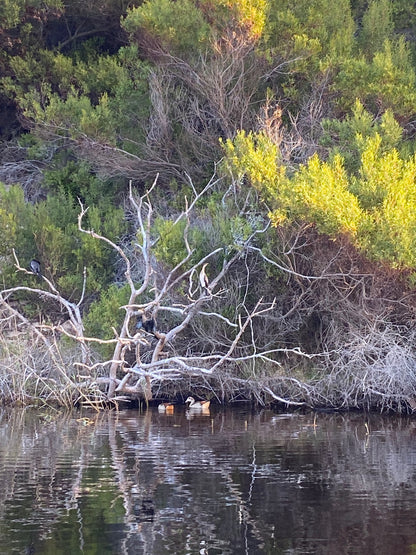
x=376, y=207
x=180, y=25
x=104, y=314
x=349, y=136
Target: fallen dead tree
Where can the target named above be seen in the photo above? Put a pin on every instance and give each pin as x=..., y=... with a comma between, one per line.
x=183, y=292
x=325, y=338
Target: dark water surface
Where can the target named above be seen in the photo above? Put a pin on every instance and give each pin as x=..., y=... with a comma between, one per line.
x=229, y=482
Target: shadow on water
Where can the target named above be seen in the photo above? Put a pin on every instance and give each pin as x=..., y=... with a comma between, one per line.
x=222, y=482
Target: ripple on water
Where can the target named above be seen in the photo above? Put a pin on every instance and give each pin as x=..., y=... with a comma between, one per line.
x=232, y=482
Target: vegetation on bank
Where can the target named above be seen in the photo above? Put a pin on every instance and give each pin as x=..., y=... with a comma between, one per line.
x=243, y=173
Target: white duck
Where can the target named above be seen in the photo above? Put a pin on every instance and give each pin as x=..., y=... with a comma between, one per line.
x=197, y=405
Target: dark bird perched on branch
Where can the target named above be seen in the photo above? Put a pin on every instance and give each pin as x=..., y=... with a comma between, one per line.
x=148, y=324
x=35, y=267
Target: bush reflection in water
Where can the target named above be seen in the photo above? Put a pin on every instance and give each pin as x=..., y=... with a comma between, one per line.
x=230, y=481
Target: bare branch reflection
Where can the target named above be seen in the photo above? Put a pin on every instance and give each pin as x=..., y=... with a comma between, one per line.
x=226, y=482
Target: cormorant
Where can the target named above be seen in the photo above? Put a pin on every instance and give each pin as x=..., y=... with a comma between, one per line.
x=35, y=267
x=148, y=324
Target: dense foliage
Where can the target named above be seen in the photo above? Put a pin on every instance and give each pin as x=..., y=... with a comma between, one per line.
x=309, y=105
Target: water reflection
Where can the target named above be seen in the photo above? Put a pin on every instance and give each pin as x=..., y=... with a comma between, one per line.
x=222, y=482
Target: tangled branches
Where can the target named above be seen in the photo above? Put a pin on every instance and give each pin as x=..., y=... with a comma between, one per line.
x=147, y=356
x=317, y=332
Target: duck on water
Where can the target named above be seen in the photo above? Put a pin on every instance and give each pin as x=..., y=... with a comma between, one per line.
x=197, y=405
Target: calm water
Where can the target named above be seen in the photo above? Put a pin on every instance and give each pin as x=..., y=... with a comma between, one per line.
x=230, y=482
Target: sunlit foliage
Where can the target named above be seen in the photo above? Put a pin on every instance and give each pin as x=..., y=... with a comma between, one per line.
x=376, y=208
